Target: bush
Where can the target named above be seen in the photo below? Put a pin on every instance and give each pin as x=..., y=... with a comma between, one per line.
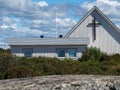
x=104, y=57
x=94, y=52
x=5, y=50
x=21, y=71
x=2, y=75
x=92, y=62
x=91, y=68
x=85, y=57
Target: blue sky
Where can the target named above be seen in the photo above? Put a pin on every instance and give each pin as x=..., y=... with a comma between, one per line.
x=62, y=1
x=32, y=18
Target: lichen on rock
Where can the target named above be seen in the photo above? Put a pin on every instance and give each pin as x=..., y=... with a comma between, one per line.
x=63, y=82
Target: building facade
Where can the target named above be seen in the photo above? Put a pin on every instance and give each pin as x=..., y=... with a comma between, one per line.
x=94, y=29
x=102, y=33
x=49, y=47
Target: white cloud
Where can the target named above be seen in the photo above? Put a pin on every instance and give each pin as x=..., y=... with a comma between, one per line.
x=101, y=4
x=109, y=2
x=42, y=4
x=6, y=23
x=26, y=18
x=7, y=26
x=111, y=8
x=17, y=4
x=4, y=26
x=25, y=31
x=118, y=26
x=116, y=20
x=65, y=22
x=7, y=20
x=37, y=22
x=4, y=45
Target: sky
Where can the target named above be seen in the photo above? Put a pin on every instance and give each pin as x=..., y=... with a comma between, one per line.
x=32, y=18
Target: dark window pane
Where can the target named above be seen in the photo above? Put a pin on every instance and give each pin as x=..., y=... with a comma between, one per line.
x=27, y=52
x=61, y=52
x=72, y=52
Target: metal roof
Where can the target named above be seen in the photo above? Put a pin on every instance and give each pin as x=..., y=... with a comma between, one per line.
x=49, y=41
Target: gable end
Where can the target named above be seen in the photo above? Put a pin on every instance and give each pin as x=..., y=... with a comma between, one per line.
x=89, y=13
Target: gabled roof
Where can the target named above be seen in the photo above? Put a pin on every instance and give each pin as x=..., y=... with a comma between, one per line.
x=49, y=41
x=89, y=13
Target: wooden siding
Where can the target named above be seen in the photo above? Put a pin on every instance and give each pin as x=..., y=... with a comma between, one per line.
x=107, y=38
x=47, y=51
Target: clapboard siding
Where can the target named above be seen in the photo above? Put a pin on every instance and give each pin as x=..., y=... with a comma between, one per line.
x=47, y=51
x=107, y=38
x=82, y=30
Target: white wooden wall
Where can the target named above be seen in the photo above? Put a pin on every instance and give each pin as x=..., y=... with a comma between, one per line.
x=47, y=51
x=107, y=39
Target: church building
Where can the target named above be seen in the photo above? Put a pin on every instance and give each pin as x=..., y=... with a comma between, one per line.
x=94, y=29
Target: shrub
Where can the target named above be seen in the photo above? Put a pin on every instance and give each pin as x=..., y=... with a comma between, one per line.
x=104, y=57
x=92, y=62
x=20, y=71
x=85, y=57
x=116, y=57
x=94, y=52
x=2, y=75
x=5, y=50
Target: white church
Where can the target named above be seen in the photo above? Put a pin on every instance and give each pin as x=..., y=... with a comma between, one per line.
x=94, y=29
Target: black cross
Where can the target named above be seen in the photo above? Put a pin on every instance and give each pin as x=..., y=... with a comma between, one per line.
x=94, y=25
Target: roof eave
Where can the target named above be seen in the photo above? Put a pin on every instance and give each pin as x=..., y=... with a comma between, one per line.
x=86, y=15
x=80, y=21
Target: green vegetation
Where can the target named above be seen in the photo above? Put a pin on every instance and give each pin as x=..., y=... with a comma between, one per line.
x=92, y=62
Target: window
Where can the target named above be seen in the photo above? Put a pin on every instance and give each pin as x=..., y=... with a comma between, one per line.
x=72, y=52
x=27, y=52
x=69, y=52
x=61, y=52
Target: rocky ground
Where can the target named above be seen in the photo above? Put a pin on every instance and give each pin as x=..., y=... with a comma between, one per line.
x=63, y=82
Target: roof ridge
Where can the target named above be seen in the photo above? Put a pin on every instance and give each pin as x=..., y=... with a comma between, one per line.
x=108, y=20
x=87, y=14
x=81, y=20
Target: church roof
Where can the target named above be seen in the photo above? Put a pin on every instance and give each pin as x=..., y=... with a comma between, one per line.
x=49, y=41
x=89, y=13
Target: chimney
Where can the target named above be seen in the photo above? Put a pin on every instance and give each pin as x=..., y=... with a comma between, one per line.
x=60, y=36
x=41, y=36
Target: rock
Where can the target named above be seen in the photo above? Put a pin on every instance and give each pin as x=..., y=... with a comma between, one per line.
x=63, y=82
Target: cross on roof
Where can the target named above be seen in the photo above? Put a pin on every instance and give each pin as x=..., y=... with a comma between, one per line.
x=94, y=25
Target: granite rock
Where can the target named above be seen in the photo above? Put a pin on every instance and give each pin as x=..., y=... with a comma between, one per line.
x=62, y=82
